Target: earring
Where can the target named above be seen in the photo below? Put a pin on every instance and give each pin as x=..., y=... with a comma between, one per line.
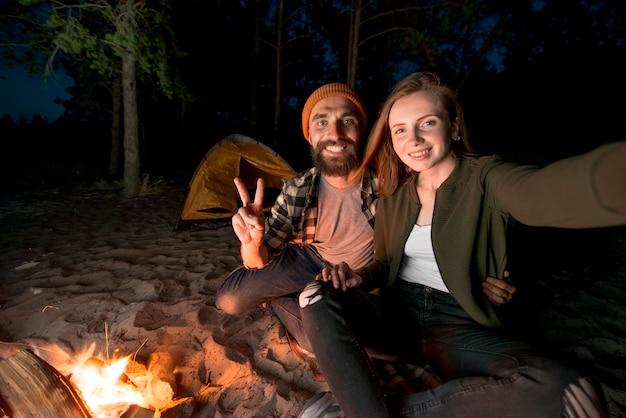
x=458, y=138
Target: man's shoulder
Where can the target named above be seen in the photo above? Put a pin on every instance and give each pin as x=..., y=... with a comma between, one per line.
x=303, y=178
x=301, y=183
x=369, y=183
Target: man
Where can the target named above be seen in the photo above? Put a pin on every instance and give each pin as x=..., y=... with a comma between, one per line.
x=323, y=216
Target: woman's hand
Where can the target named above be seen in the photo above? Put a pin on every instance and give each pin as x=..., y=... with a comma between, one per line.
x=341, y=275
x=499, y=291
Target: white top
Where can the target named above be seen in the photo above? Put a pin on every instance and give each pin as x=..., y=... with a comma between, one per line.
x=419, y=264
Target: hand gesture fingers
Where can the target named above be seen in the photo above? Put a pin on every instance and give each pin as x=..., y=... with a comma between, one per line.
x=255, y=207
x=247, y=227
x=249, y=221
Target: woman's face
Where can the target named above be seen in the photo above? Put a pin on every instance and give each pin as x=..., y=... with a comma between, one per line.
x=421, y=132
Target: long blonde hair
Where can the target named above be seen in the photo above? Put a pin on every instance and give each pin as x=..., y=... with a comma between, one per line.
x=379, y=153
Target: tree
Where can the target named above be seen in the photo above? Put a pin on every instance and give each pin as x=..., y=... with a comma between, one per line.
x=124, y=41
x=288, y=26
x=127, y=25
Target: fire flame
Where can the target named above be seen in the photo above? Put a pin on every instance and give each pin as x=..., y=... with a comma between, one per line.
x=102, y=383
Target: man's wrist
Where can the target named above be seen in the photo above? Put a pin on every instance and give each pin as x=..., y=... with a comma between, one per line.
x=254, y=257
x=251, y=268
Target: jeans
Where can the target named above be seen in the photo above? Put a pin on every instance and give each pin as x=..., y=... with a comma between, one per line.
x=486, y=373
x=276, y=284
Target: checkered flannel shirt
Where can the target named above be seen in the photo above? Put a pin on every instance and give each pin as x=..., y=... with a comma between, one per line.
x=294, y=215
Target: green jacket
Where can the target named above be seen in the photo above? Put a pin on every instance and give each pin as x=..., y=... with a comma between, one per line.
x=478, y=202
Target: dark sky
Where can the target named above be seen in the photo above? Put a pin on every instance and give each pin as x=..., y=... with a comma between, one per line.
x=23, y=95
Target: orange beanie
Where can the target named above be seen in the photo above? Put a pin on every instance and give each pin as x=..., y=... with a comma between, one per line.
x=332, y=90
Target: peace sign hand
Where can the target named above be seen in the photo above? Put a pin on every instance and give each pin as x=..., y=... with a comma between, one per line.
x=249, y=221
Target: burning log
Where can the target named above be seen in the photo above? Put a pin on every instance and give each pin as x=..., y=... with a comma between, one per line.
x=161, y=381
x=30, y=387
x=136, y=372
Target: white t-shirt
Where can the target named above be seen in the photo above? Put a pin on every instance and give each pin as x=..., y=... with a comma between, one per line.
x=419, y=264
x=343, y=232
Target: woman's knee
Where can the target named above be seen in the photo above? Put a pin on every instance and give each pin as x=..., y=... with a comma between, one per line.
x=584, y=398
x=311, y=294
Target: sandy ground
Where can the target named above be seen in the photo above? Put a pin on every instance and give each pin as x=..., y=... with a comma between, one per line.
x=86, y=266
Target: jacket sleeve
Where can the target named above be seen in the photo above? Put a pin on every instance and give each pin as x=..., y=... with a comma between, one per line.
x=609, y=179
x=584, y=191
x=376, y=273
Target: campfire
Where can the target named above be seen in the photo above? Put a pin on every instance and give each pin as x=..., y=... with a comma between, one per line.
x=86, y=385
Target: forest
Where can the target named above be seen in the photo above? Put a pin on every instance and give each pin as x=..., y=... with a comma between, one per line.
x=158, y=82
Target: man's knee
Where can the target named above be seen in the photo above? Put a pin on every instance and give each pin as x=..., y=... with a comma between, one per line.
x=230, y=295
x=227, y=302
x=231, y=301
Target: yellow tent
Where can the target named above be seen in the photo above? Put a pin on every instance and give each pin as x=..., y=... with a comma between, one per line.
x=212, y=193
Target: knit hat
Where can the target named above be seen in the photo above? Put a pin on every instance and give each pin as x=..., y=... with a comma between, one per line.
x=333, y=90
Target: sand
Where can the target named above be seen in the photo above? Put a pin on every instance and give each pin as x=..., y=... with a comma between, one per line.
x=84, y=265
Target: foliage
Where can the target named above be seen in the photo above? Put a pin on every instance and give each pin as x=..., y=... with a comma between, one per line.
x=99, y=32
x=206, y=67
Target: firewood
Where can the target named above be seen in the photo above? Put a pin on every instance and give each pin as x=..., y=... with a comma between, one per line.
x=161, y=381
x=30, y=387
x=137, y=374
x=135, y=411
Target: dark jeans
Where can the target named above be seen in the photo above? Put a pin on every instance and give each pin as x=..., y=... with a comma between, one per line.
x=486, y=372
x=277, y=284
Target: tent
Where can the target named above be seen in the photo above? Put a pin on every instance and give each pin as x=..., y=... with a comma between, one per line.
x=212, y=194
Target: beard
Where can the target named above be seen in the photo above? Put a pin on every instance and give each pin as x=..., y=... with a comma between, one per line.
x=339, y=166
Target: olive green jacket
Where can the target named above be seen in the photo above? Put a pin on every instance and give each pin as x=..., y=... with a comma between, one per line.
x=478, y=202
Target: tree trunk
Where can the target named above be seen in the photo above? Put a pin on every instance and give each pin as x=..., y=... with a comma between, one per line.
x=131, y=127
x=129, y=94
x=353, y=42
x=254, y=96
x=116, y=124
x=279, y=76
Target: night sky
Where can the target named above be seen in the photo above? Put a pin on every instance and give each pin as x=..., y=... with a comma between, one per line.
x=24, y=95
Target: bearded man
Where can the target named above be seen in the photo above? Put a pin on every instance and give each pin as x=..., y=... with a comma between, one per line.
x=322, y=216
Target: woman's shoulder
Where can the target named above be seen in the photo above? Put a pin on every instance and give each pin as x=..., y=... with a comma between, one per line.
x=404, y=191
x=482, y=160
x=482, y=164
x=468, y=166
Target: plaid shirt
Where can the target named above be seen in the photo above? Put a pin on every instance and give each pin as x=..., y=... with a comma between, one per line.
x=294, y=215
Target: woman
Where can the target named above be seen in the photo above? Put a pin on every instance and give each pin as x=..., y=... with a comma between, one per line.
x=441, y=227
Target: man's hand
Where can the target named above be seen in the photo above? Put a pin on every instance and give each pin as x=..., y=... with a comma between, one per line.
x=249, y=221
x=249, y=225
x=341, y=275
x=499, y=291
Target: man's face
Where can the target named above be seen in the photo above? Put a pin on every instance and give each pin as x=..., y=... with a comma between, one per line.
x=334, y=132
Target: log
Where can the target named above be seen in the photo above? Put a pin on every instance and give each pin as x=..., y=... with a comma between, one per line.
x=135, y=411
x=160, y=380
x=137, y=374
x=30, y=387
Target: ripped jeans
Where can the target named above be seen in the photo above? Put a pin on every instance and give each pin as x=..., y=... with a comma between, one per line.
x=277, y=284
x=486, y=372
